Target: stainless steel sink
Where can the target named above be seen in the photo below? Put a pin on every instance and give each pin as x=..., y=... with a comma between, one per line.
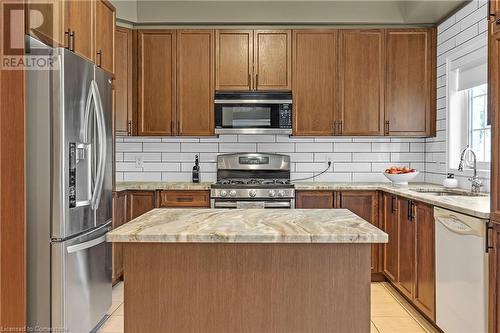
x=439, y=192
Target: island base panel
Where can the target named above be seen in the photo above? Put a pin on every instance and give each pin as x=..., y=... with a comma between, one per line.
x=196, y=287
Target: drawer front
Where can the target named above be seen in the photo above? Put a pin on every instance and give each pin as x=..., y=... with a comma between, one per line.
x=185, y=199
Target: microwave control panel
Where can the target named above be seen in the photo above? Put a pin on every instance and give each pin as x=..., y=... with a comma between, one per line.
x=285, y=120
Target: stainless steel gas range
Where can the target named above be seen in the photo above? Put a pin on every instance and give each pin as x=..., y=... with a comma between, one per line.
x=253, y=180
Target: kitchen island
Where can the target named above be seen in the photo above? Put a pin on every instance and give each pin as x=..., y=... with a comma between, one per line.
x=247, y=270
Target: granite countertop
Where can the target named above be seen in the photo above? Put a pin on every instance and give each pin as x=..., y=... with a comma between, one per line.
x=248, y=226
x=478, y=206
x=143, y=186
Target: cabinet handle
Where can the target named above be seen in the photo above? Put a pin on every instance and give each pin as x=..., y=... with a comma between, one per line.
x=99, y=58
x=408, y=213
x=249, y=82
x=66, y=39
x=387, y=127
x=334, y=128
x=256, y=81
x=393, y=198
x=172, y=127
x=129, y=124
x=488, y=242
x=341, y=204
x=341, y=127
x=72, y=41
x=178, y=127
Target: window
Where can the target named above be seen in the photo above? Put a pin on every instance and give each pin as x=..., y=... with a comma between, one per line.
x=479, y=132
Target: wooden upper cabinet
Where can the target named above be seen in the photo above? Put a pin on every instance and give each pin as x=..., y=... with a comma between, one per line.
x=272, y=60
x=156, y=82
x=45, y=21
x=425, y=295
x=390, y=226
x=314, y=199
x=195, y=82
x=79, y=24
x=234, y=60
x=314, y=81
x=123, y=81
x=105, y=35
x=410, y=106
x=361, y=82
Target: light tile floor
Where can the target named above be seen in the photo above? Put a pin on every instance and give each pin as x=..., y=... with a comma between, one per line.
x=390, y=313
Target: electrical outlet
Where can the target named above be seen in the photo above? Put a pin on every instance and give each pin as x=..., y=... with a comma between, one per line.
x=138, y=162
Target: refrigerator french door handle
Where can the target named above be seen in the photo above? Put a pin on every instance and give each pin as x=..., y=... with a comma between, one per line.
x=86, y=245
x=101, y=126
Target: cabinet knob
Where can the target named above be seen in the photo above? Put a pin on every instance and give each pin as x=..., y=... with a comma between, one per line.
x=72, y=41
x=99, y=58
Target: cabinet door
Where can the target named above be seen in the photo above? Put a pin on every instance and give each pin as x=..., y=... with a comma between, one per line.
x=234, y=60
x=105, y=35
x=406, y=248
x=361, y=82
x=123, y=81
x=272, y=59
x=140, y=202
x=119, y=218
x=195, y=82
x=494, y=278
x=314, y=199
x=79, y=20
x=425, y=296
x=314, y=81
x=185, y=199
x=365, y=205
x=390, y=226
x=45, y=21
x=156, y=88
x=410, y=105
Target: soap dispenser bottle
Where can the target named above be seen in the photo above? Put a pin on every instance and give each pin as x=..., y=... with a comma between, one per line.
x=196, y=170
x=450, y=181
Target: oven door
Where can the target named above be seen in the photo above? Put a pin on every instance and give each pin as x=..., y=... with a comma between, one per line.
x=233, y=117
x=253, y=204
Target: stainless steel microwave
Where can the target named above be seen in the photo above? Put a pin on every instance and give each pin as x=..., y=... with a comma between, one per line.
x=253, y=112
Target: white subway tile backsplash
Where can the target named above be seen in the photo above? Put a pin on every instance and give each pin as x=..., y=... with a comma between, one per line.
x=142, y=176
x=161, y=167
x=334, y=177
x=204, y=167
x=162, y=146
x=237, y=147
x=300, y=157
x=199, y=147
x=390, y=147
x=313, y=147
x=352, y=147
x=286, y=138
x=146, y=157
x=176, y=176
x=371, y=157
x=256, y=138
x=369, y=177
x=316, y=167
x=407, y=157
x=127, y=166
x=334, y=157
x=178, y=157
x=275, y=147
x=352, y=167
x=128, y=146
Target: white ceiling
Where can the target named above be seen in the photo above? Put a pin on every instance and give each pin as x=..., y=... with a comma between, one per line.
x=286, y=12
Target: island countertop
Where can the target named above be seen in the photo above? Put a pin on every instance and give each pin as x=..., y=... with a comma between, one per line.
x=248, y=226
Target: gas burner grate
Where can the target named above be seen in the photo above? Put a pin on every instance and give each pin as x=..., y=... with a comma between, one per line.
x=253, y=181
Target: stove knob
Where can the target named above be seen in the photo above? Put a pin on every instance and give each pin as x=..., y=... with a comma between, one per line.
x=223, y=193
x=232, y=193
x=252, y=193
x=272, y=193
x=281, y=193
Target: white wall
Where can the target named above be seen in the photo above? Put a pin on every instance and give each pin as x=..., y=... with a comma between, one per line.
x=353, y=159
x=461, y=34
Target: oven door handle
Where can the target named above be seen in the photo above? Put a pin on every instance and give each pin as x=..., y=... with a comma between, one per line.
x=267, y=204
x=253, y=101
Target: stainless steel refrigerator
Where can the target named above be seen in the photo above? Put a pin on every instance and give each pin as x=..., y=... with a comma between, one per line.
x=69, y=191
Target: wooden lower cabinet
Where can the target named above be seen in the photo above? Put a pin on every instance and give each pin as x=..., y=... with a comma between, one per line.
x=184, y=199
x=314, y=199
x=365, y=205
x=414, y=274
x=119, y=218
x=389, y=223
x=361, y=203
x=425, y=282
x=494, y=277
x=140, y=202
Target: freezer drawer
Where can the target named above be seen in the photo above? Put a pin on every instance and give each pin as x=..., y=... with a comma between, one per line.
x=81, y=281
